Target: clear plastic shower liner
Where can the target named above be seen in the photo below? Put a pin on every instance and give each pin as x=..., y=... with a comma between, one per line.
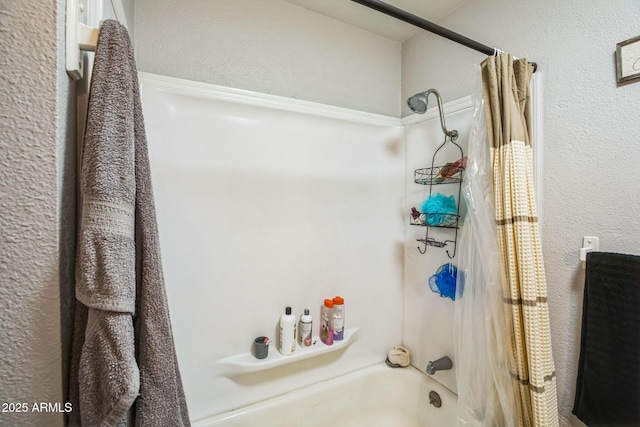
x=481, y=329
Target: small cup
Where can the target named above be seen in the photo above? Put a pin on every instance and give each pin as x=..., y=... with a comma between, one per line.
x=261, y=347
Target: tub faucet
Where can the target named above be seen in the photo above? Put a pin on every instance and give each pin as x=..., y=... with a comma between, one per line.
x=439, y=365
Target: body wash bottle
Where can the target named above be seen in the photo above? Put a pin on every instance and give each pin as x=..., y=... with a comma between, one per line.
x=326, y=322
x=287, y=344
x=338, y=318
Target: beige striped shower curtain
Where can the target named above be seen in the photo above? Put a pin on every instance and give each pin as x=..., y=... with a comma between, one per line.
x=506, y=94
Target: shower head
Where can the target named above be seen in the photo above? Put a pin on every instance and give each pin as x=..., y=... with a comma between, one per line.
x=418, y=102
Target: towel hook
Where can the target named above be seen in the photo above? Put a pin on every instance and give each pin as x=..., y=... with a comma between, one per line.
x=81, y=37
x=589, y=244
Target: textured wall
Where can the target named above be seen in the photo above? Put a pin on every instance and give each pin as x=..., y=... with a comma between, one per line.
x=269, y=46
x=32, y=117
x=591, y=132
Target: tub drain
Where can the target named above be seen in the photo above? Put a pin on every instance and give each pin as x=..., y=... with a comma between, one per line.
x=434, y=399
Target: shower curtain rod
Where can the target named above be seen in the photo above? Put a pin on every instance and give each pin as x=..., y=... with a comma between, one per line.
x=405, y=16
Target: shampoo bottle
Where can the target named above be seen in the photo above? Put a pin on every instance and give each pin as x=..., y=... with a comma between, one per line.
x=287, y=343
x=326, y=322
x=305, y=330
x=338, y=318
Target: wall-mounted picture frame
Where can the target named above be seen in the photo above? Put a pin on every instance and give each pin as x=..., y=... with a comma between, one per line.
x=628, y=60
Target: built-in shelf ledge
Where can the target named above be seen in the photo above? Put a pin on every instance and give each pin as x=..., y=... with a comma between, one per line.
x=246, y=363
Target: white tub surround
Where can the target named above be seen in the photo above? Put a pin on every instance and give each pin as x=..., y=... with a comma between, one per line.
x=266, y=202
x=428, y=325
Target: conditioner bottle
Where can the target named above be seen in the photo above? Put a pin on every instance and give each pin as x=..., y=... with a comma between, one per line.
x=287, y=344
x=305, y=330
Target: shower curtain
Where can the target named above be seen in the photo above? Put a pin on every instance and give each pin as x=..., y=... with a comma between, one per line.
x=506, y=374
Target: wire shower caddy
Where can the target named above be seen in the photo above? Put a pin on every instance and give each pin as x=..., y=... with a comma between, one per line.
x=435, y=175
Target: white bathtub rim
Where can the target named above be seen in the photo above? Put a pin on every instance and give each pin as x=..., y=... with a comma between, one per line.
x=240, y=410
x=329, y=382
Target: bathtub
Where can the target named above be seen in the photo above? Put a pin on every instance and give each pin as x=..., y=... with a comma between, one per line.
x=375, y=396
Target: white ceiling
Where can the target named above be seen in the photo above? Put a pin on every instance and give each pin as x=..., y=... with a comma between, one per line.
x=363, y=17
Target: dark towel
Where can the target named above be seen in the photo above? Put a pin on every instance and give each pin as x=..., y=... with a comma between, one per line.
x=608, y=384
x=124, y=368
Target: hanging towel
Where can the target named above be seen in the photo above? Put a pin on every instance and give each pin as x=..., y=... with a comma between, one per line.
x=124, y=368
x=608, y=383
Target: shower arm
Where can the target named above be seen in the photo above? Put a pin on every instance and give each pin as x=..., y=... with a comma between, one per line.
x=453, y=134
